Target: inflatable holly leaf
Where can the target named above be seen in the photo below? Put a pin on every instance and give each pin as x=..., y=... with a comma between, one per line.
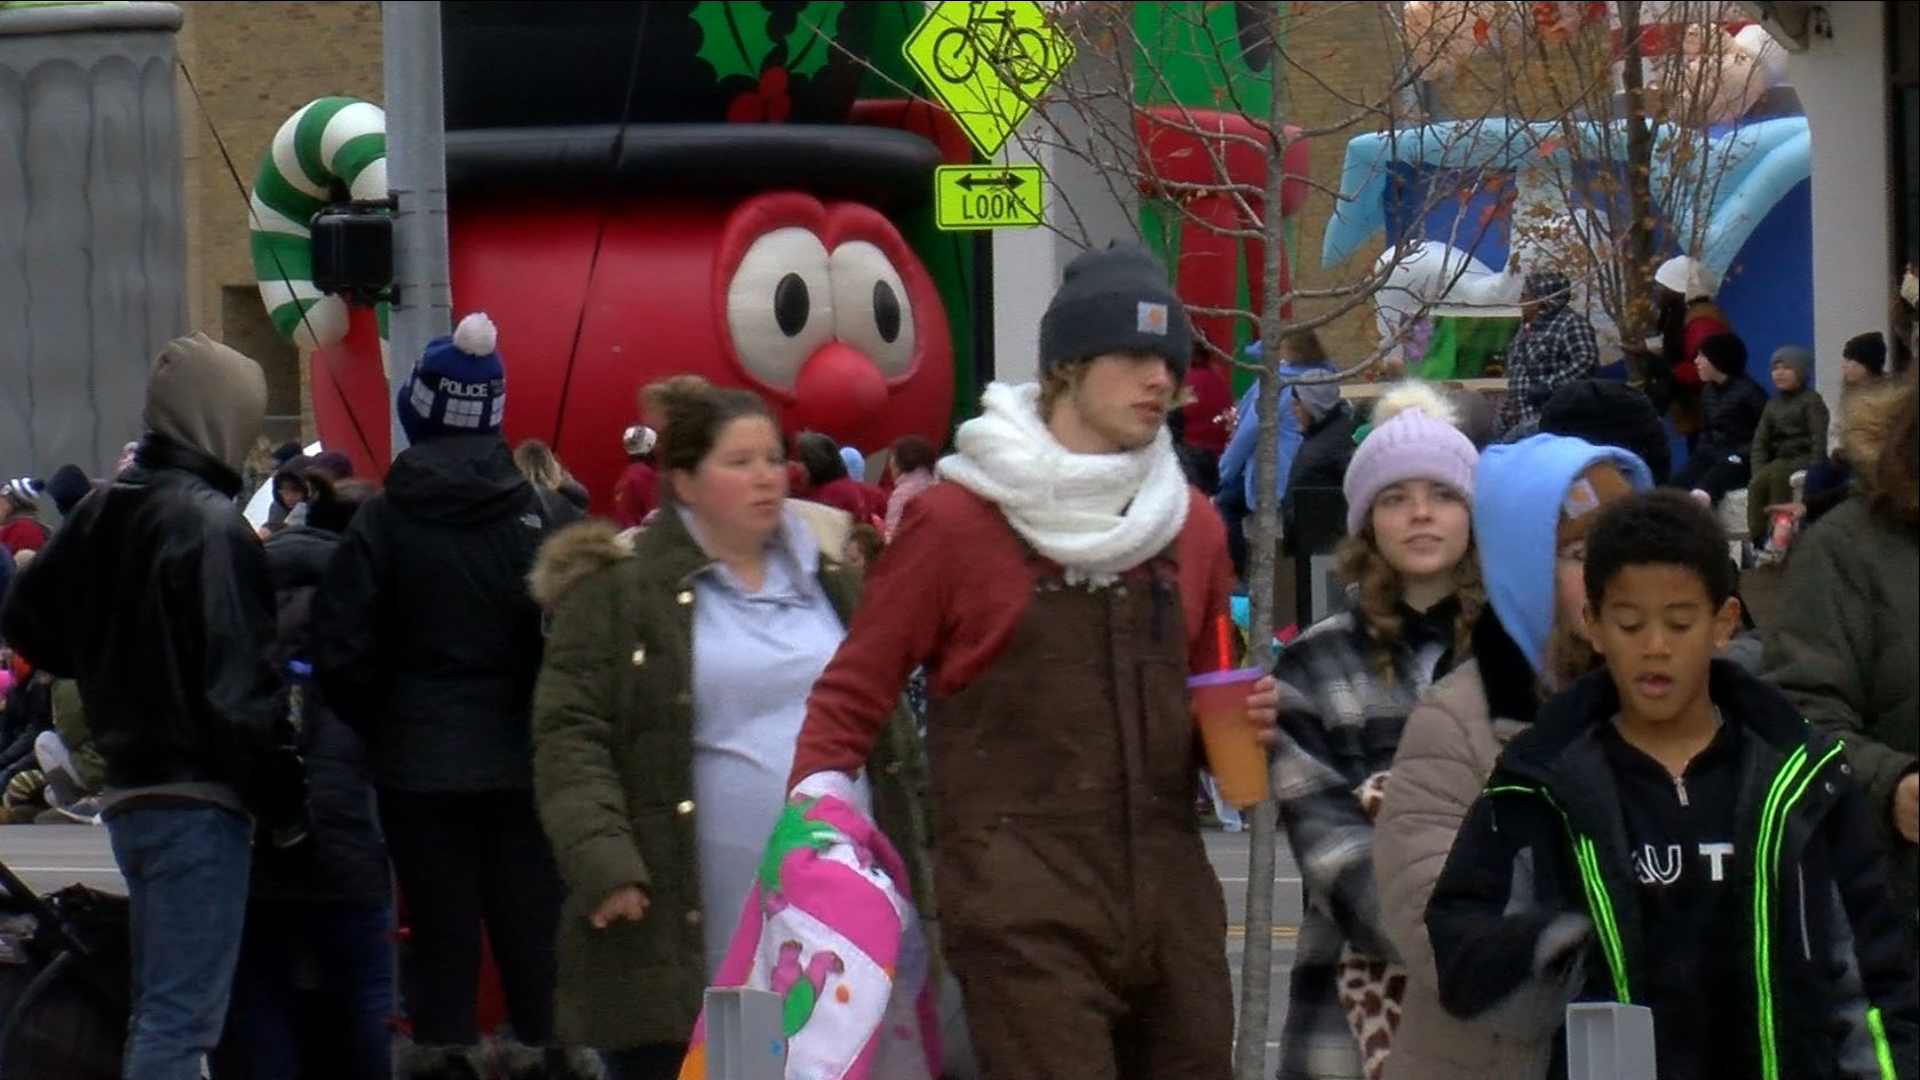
x=811, y=43
x=733, y=38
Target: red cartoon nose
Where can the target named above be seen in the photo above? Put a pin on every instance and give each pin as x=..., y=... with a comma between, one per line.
x=839, y=391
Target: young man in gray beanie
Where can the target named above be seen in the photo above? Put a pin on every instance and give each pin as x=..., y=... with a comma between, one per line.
x=1079, y=912
x=155, y=598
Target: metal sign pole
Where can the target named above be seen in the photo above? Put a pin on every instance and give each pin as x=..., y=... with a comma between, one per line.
x=417, y=174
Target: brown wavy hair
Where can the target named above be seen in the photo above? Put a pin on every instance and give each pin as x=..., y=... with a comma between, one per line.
x=1890, y=477
x=697, y=412
x=1360, y=563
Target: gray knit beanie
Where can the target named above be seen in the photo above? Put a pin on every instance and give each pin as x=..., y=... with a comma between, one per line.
x=1796, y=358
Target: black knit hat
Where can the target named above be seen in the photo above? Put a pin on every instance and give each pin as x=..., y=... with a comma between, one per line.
x=1869, y=350
x=1608, y=413
x=1727, y=353
x=68, y=486
x=1116, y=300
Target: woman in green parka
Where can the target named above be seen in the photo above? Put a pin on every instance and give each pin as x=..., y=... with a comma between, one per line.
x=675, y=681
x=1843, y=640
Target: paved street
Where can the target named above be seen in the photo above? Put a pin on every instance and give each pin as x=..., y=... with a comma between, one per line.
x=48, y=857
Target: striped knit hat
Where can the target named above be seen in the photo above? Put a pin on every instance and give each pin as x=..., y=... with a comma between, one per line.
x=24, y=490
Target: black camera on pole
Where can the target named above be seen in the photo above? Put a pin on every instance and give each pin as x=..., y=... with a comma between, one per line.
x=353, y=251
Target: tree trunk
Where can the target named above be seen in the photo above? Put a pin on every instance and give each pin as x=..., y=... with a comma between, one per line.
x=1636, y=285
x=1256, y=966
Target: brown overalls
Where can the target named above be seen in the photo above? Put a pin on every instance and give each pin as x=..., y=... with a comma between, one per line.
x=1081, y=915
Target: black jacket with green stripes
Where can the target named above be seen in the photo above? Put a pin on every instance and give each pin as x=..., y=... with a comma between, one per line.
x=1538, y=903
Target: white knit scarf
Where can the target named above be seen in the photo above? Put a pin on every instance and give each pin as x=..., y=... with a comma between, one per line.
x=1096, y=515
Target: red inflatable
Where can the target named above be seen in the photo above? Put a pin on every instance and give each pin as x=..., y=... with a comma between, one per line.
x=820, y=307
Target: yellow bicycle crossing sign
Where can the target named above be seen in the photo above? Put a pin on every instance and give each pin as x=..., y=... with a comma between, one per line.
x=987, y=61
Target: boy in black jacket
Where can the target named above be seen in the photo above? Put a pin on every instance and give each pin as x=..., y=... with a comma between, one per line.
x=1671, y=834
x=1730, y=407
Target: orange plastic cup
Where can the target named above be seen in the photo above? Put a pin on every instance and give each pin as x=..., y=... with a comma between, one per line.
x=1234, y=755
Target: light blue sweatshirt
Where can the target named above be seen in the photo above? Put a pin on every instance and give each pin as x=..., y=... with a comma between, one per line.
x=1518, y=489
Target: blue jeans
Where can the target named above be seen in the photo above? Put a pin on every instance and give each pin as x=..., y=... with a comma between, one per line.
x=342, y=1034
x=186, y=872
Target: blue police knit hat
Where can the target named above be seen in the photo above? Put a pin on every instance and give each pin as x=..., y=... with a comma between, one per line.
x=459, y=385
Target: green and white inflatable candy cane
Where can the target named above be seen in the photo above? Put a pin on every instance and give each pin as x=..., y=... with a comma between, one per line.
x=332, y=143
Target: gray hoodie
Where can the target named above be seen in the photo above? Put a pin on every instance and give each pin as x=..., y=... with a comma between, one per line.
x=1793, y=428
x=208, y=396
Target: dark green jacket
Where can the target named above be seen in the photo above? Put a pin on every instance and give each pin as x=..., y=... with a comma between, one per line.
x=70, y=723
x=1793, y=427
x=1841, y=645
x=613, y=776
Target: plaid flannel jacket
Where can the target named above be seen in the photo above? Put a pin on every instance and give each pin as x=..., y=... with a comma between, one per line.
x=1556, y=348
x=1340, y=723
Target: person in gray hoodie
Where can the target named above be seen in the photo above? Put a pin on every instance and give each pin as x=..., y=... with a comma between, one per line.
x=1792, y=436
x=155, y=599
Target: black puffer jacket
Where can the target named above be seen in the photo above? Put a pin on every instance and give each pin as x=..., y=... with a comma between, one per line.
x=348, y=860
x=155, y=598
x=424, y=635
x=1729, y=414
x=1541, y=874
x=1321, y=462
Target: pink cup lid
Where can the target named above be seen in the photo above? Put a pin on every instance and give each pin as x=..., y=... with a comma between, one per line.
x=1221, y=678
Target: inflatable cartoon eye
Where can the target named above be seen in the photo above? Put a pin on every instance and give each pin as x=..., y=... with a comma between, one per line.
x=780, y=304
x=870, y=307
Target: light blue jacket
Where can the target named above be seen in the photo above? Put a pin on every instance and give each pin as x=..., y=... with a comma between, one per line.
x=1236, y=462
x=1518, y=489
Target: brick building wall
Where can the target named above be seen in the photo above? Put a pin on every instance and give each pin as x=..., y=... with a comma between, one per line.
x=254, y=65
x=1342, y=57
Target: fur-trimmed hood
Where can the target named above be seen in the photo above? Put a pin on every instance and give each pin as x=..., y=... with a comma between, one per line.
x=574, y=553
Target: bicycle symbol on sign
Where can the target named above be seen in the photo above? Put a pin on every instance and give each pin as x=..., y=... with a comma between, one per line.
x=1021, y=55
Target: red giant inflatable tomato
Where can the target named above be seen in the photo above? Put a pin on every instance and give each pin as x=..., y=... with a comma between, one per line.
x=819, y=306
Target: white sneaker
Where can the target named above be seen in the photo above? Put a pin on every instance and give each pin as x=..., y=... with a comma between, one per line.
x=85, y=811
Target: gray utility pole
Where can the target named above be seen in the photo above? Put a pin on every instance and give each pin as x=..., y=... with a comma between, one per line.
x=417, y=175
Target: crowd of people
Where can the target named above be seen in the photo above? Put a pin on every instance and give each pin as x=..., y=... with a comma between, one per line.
x=1541, y=754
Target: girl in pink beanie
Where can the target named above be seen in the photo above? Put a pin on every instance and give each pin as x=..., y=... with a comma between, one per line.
x=1350, y=683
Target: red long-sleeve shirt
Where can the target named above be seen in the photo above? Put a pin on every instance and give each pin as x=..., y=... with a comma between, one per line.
x=22, y=533
x=636, y=495
x=1212, y=397
x=947, y=594
x=1700, y=326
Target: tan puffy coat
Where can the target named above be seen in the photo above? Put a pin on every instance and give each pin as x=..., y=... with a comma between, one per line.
x=1446, y=753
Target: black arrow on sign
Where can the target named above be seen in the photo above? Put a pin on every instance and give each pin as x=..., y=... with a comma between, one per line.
x=1010, y=181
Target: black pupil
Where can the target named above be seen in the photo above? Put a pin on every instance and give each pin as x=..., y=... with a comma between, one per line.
x=886, y=312
x=792, y=305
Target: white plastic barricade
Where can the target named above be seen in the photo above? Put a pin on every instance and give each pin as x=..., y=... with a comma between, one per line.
x=1609, y=1042
x=744, y=1037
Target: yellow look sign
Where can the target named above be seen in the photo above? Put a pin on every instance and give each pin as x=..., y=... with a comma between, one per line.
x=986, y=196
x=986, y=61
